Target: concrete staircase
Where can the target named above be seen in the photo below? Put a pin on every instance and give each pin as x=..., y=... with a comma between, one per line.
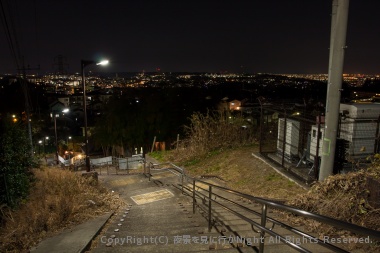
x=158, y=218
x=240, y=232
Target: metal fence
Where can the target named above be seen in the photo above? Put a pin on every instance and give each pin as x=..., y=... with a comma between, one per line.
x=108, y=165
x=117, y=166
x=293, y=138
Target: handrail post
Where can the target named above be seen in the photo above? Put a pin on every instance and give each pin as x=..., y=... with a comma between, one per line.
x=127, y=166
x=209, y=207
x=182, y=182
x=193, y=196
x=263, y=223
x=149, y=171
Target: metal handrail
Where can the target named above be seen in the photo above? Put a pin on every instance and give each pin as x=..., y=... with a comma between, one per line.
x=373, y=234
x=324, y=219
x=269, y=231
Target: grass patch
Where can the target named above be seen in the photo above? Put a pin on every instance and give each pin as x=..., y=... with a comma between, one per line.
x=158, y=155
x=192, y=162
x=242, y=182
x=213, y=169
x=58, y=199
x=273, y=176
x=243, y=172
x=213, y=153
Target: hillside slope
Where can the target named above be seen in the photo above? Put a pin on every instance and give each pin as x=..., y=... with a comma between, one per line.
x=243, y=172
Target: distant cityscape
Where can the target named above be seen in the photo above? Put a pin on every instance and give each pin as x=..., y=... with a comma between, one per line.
x=147, y=105
x=68, y=83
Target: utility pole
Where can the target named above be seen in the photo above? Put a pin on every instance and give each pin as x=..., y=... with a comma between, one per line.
x=25, y=90
x=339, y=20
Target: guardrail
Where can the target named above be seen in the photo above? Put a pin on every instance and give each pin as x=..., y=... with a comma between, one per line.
x=156, y=167
x=112, y=164
x=209, y=198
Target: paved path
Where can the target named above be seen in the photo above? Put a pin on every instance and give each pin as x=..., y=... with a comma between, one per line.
x=157, y=218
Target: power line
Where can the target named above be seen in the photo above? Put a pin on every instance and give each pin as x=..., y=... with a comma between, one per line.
x=12, y=42
x=12, y=38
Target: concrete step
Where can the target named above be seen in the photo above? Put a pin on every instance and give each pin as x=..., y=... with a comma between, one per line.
x=247, y=238
x=233, y=226
x=174, y=227
x=175, y=248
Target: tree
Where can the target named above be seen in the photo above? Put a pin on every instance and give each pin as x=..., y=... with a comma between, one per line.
x=15, y=163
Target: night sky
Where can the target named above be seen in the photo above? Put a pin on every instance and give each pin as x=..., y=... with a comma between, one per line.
x=192, y=36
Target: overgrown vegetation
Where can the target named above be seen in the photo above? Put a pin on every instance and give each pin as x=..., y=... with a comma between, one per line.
x=349, y=197
x=58, y=199
x=215, y=147
x=208, y=134
x=15, y=164
x=158, y=155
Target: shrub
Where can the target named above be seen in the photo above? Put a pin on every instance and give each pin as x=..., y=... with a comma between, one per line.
x=214, y=132
x=15, y=164
x=58, y=199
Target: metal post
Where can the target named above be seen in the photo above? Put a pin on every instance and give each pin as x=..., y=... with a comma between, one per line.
x=56, y=136
x=284, y=142
x=193, y=196
x=177, y=141
x=87, y=158
x=377, y=137
x=209, y=208
x=261, y=127
x=149, y=172
x=339, y=20
x=182, y=182
x=127, y=165
x=24, y=86
x=154, y=141
x=144, y=161
x=263, y=223
x=316, y=160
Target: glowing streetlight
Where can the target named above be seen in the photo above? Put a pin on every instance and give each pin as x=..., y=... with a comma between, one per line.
x=105, y=62
x=84, y=64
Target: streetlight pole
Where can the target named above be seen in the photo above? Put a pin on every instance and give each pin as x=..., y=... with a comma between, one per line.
x=55, y=132
x=46, y=138
x=84, y=64
x=56, y=137
x=68, y=139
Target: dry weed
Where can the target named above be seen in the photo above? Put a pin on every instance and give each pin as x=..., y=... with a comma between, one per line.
x=58, y=199
x=210, y=132
x=344, y=197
